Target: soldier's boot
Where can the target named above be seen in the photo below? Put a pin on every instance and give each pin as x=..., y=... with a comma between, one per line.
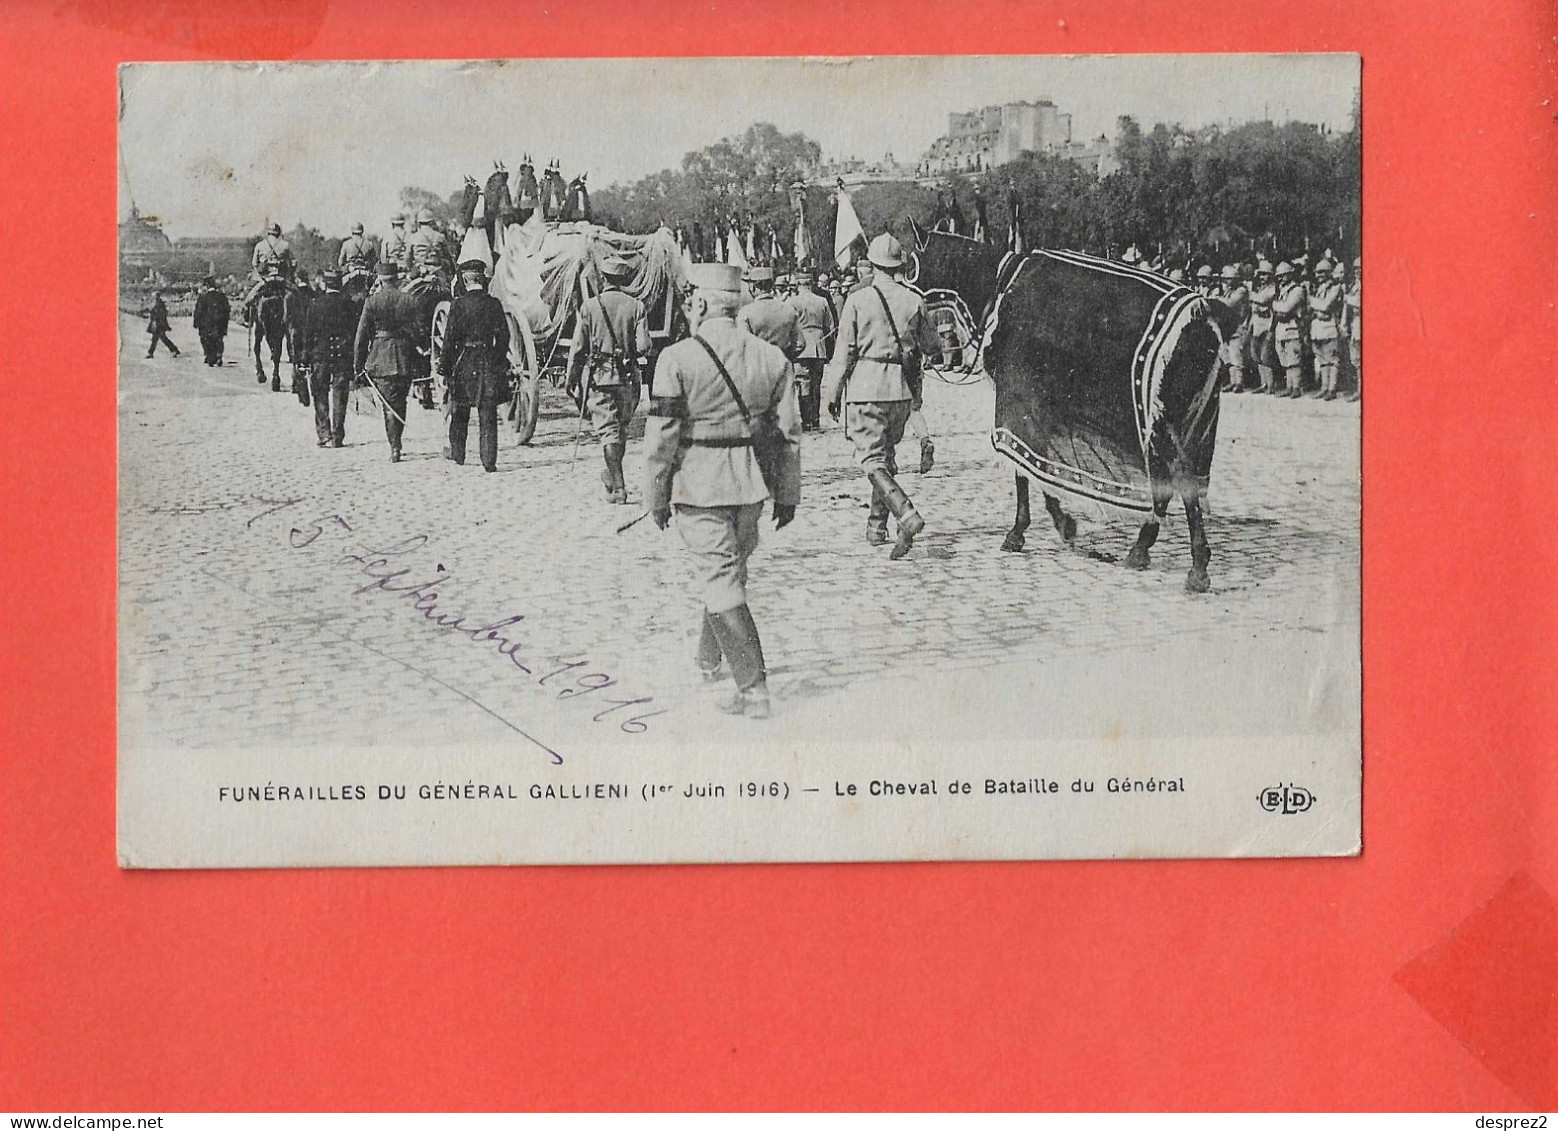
x=909, y=521
x=927, y=454
x=737, y=634
x=711, y=659
x=611, y=474
x=876, y=521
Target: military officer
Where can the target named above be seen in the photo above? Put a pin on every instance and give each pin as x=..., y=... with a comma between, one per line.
x=770, y=317
x=610, y=339
x=386, y=350
x=1354, y=323
x=357, y=253
x=1237, y=299
x=395, y=245
x=1288, y=310
x=712, y=393
x=1262, y=347
x=270, y=251
x=474, y=364
x=211, y=314
x=1325, y=314
x=427, y=253
x=814, y=315
x=884, y=331
x=328, y=336
x=1204, y=283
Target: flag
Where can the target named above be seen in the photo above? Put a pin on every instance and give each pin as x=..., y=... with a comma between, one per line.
x=846, y=230
x=733, y=255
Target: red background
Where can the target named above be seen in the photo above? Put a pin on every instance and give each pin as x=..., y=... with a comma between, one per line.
x=1107, y=985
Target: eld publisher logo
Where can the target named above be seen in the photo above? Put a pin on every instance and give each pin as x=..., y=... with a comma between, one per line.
x=1285, y=799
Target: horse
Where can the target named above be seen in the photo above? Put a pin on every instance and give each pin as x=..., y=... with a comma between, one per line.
x=1105, y=378
x=270, y=328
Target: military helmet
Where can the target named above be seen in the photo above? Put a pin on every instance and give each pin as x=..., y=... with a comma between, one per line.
x=885, y=251
x=1204, y=271
x=1323, y=267
x=425, y=216
x=398, y=219
x=273, y=229
x=1263, y=267
x=357, y=228
x=1131, y=255
x=1231, y=271
x=1284, y=269
x=1176, y=276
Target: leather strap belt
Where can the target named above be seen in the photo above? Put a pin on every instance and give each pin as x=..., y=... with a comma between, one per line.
x=717, y=442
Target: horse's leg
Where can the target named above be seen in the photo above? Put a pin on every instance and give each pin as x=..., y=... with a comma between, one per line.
x=1064, y=523
x=1197, y=581
x=259, y=358
x=1139, y=558
x=1014, y=537
x=275, y=363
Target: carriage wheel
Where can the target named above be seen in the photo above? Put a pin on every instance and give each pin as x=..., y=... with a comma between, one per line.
x=525, y=408
x=437, y=335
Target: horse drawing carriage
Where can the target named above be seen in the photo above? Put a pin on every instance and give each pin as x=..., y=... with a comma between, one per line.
x=543, y=272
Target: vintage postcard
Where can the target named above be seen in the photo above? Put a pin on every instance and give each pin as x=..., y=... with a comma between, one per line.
x=701, y=460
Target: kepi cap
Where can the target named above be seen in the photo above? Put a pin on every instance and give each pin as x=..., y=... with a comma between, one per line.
x=388, y=269
x=761, y=274
x=720, y=277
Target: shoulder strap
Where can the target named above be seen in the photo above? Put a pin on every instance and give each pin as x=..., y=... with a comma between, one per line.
x=611, y=332
x=887, y=310
x=741, y=405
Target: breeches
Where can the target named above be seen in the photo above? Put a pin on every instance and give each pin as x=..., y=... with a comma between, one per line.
x=611, y=407
x=875, y=428
x=720, y=539
x=328, y=389
x=1290, y=353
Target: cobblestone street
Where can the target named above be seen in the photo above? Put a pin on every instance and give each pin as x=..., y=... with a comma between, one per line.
x=249, y=615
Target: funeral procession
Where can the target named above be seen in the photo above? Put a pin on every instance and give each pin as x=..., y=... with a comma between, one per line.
x=566, y=447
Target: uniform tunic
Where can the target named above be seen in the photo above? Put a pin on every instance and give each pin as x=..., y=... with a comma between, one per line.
x=698, y=455
x=611, y=329
x=1325, y=309
x=395, y=248
x=358, y=254
x=386, y=351
x=272, y=249
x=1354, y=324
x=1288, y=314
x=474, y=362
x=775, y=321
x=866, y=371
x=328, y=335
x=1237, y=345
x=1262, y=347
x=426, y=247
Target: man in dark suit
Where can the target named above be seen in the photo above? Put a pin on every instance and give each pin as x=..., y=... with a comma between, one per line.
x=385, y=350
x=327, y=353
x=474, y=364
x=212, y=312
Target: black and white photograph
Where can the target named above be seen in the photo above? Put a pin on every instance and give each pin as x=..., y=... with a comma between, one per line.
x=593, y=461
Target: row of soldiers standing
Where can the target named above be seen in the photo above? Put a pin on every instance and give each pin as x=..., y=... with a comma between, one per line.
x=1288, y=322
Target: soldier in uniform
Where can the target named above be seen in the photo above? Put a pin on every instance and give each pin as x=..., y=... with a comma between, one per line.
x=884, y=330
x=157, y=326
x=270, y=251
x=609, y=341
x=1325, y=314
x=1238, y=300
x=711, y=394
x=769, y=316
x=328, y=336
x=474, y=364
x=212, y=312
x=815, y=317
x=1287, y=311
x=385, y=350
x=427, y=253
x=1262, y=347
x=1204, y=284
x=357, y=253
x=1354, y=323
x=395, y=246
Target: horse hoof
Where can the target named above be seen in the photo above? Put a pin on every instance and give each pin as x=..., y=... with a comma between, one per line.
x=1137, y=559
x=1196, y=581
x=1013, y=544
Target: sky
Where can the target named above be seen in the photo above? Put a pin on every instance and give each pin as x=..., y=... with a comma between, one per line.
x=222, y=148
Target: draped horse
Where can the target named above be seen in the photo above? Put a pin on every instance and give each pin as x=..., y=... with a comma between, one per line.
x=1105, y=380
